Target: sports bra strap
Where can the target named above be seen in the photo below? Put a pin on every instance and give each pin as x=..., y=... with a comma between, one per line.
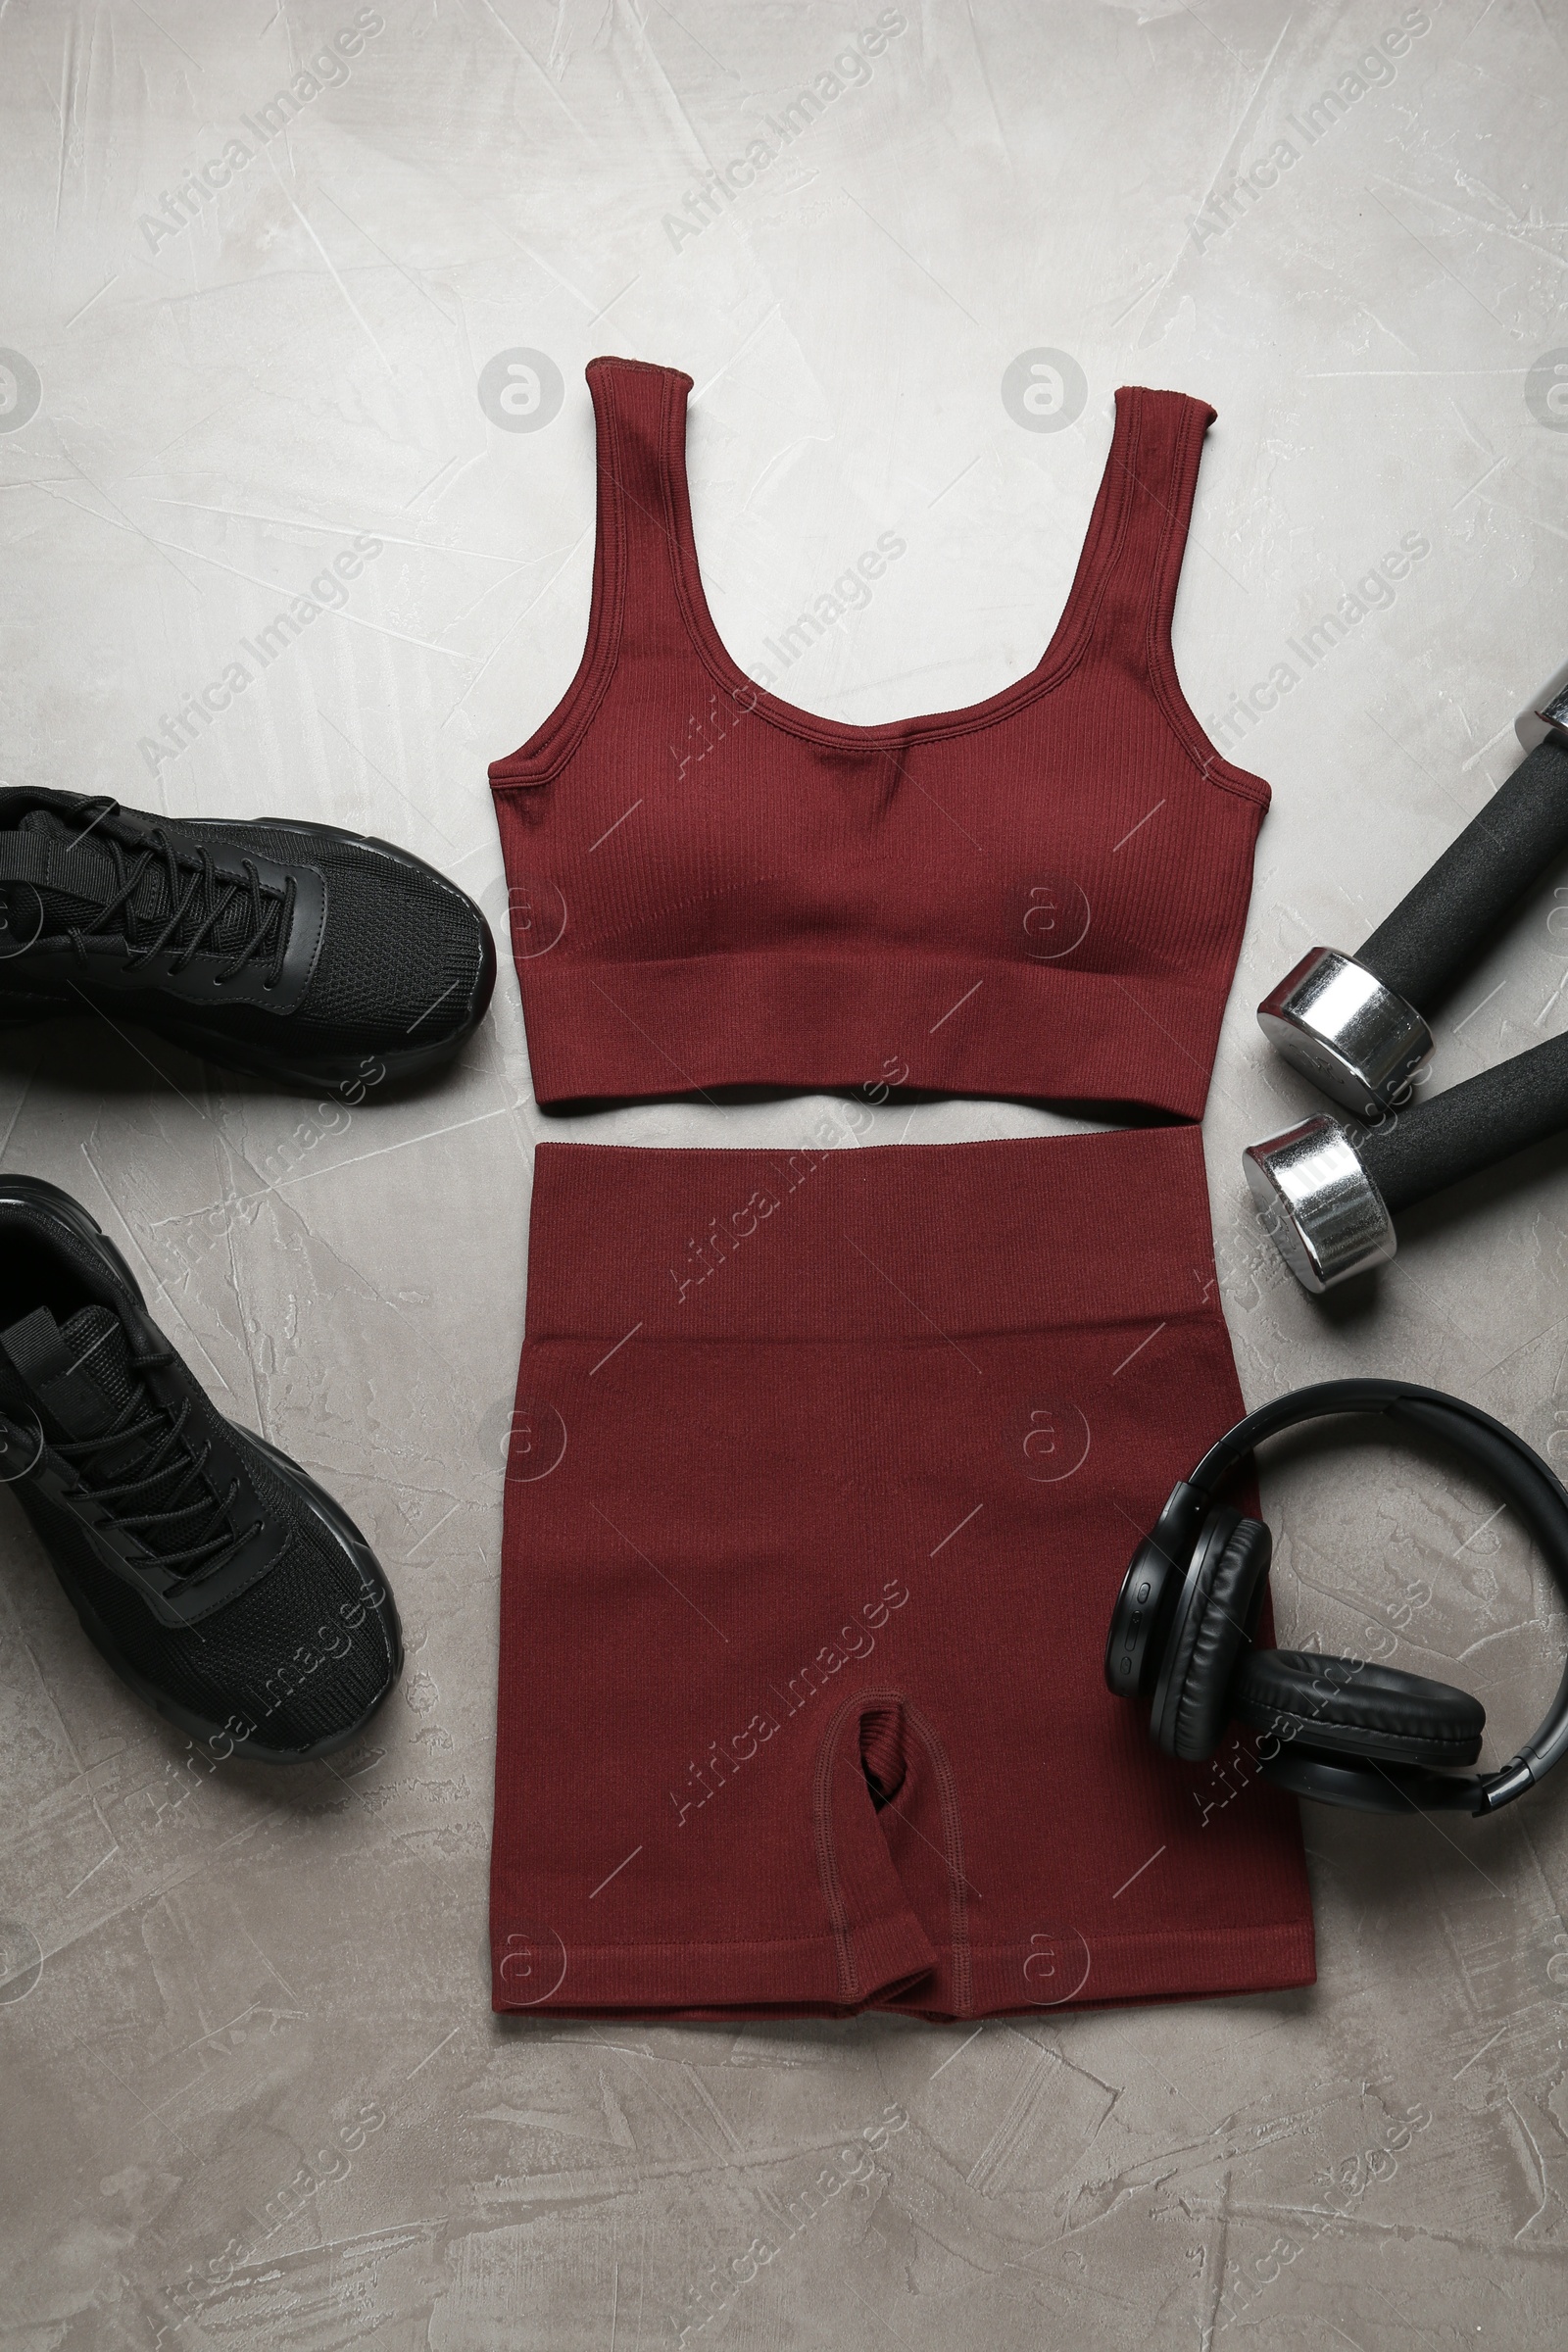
x=1125, y=590
x=644, y=517
x=645, y=560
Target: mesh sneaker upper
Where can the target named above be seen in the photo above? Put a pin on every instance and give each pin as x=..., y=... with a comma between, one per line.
x=403, y=949
x=399, y=962
x=88, y=876
x=267, y=1655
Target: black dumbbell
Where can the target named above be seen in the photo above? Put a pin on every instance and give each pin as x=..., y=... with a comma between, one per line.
x=1352, y=1023
x=1328, y=1201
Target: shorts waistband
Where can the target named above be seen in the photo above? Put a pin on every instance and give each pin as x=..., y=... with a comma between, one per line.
x=912, y=1241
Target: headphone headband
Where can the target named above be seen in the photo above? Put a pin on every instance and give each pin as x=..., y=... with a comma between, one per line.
x=1506, y=1462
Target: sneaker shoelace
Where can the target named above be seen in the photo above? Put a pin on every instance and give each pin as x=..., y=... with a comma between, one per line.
x=174, y=1465
x=195, y=892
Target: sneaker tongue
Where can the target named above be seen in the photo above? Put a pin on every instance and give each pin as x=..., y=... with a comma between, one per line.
x=74, y=871
x=102, y=1354
x=81, y=1378
x=72, y=876
x=82, y=1375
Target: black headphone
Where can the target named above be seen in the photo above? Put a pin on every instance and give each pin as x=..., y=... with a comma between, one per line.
x=1345, y=1731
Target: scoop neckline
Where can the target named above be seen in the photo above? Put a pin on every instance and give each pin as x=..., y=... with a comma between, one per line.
x=1096, y=556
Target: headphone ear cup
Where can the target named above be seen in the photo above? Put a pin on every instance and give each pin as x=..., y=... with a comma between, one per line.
x=1214, y=1633
x=1355, y=1708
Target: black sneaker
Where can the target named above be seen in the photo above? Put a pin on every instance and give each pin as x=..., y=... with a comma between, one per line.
x=217, y=1580
x=304, y=955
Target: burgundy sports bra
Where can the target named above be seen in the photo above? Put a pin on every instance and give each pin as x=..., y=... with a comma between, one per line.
x=1040, y=896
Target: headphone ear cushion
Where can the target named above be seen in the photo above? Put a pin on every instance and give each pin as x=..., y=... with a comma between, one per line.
x=1218, y=1629
x=1357, y=1708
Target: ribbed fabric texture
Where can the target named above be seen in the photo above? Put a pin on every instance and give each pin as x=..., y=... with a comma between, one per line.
x=1040, y=896
x=827, y=1466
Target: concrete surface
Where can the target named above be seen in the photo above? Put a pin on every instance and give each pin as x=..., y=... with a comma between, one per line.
x=254, y=2095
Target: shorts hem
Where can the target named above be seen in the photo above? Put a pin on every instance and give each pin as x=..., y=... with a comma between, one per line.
x=803, y=1976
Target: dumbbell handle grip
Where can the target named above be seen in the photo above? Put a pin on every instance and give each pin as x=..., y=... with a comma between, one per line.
x=1471, y=1126
x=1478, y=882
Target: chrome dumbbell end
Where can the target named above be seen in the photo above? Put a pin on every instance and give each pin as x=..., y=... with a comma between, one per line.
x=1337, y=1024
x=1319, y=1206
x=1547, y=715
x=1350, y=1022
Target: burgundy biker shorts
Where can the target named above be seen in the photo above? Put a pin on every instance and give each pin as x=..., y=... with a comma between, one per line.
x=825, y=1469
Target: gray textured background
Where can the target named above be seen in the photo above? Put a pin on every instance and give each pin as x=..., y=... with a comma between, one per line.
x=256, y=2095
